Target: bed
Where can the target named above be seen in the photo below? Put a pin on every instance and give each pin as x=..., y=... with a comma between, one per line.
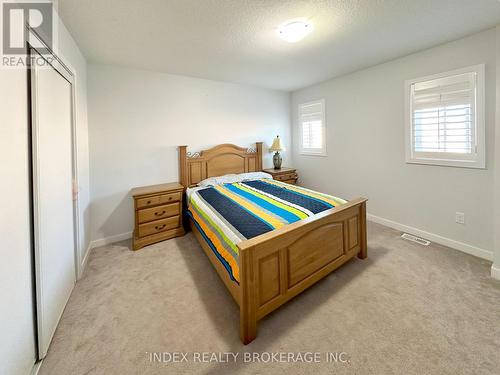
x=267, y=240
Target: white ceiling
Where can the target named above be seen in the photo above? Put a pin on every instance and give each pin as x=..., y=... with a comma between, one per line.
x=235, y=40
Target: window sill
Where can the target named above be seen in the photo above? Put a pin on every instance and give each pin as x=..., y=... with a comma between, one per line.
x=305, y=153
x=474, y=164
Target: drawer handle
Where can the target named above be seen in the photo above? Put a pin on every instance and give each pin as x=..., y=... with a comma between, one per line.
x=160, y=227
x=148, y=202
x=169, y=198
x=160, y=213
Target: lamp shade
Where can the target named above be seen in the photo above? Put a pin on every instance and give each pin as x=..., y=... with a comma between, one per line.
x=276, y=146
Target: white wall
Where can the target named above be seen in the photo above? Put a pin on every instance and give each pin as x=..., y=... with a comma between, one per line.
x=17, y=341
x=495, y=270
x=138, y=118
x=366, y=148
x=17, y=338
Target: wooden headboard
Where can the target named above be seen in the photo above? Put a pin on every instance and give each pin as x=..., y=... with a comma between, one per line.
x=217, y=161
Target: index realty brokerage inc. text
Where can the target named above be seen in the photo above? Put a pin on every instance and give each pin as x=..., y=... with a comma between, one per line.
x=248, y=357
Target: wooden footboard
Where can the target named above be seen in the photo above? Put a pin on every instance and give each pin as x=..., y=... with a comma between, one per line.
x=278, y=265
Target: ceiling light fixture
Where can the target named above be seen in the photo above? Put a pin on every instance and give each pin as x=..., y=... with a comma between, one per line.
x=294, y=31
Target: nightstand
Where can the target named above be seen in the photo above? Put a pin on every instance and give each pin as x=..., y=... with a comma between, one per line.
x=288, y=175
x=158, y=213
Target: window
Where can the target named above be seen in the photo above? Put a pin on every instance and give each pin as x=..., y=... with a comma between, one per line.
x=312, y=128
x=445, y=119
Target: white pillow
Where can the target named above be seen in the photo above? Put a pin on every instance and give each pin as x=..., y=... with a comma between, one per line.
x=253, y=176
x=232, y=178
x=219, y=180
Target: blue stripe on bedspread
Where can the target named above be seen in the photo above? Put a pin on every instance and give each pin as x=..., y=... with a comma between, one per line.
x=290, y=217
x=312, y=204
x=242, y=220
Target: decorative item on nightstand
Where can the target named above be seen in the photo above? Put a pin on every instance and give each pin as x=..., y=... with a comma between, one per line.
x=277, y=147
x=158, y=213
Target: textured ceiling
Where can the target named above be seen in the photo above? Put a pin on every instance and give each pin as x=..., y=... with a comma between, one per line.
x=235, y=40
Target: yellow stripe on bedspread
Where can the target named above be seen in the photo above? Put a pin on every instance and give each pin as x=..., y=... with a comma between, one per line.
x=218, y=245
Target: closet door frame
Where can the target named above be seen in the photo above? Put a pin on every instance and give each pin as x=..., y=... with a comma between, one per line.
x=68, y=74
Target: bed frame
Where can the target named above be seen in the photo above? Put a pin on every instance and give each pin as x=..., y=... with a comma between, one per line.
x=278, y=265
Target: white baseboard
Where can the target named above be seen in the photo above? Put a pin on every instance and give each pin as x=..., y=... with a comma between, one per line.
x=107, y=240
x=85, y=260
x=36, y=367
x=495, y=271
x=469, y=249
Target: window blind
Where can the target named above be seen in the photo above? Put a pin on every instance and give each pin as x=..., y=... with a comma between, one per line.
x=443, y=115
x=311, y=119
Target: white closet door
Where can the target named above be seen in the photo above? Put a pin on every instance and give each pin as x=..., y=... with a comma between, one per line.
x=53, y=202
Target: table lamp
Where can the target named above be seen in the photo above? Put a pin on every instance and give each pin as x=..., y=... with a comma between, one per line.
x=277, y=147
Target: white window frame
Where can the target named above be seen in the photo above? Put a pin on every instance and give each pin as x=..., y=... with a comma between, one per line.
x=477, y=159
x=309, y=151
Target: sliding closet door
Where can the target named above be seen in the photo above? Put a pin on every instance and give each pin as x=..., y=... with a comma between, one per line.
x=54, y=241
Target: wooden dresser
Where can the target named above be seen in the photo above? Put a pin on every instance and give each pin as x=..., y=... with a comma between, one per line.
x=158, y=213
x=288, y=175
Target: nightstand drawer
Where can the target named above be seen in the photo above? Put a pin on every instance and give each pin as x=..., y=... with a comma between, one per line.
x=158, y=226
x=158, y=199
x=287, y=176
x=158, y=212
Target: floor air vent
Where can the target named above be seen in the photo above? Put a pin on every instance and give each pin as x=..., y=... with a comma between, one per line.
x=413, y=238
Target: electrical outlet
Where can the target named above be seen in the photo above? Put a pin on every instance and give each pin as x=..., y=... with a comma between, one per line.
x=459, y=217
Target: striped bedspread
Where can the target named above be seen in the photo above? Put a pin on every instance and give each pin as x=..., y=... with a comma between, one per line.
x=231, y=213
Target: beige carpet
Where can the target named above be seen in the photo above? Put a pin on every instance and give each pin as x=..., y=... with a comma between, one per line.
x=407, y=309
